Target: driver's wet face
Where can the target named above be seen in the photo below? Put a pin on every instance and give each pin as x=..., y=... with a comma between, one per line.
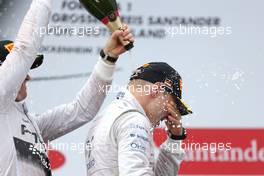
x=160, y=107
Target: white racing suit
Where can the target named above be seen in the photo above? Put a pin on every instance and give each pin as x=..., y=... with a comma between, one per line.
x=22, y=135
x=120, y=143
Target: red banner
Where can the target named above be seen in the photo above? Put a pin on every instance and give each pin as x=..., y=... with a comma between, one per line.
x=221, y=151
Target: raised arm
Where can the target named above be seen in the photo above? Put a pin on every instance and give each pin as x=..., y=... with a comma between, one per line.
x=66, y=118
x=28, y=41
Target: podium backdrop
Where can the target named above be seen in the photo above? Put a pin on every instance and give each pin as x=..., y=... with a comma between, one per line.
x=217, y=46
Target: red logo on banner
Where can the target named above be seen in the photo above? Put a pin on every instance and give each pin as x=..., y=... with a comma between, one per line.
x=57, y=159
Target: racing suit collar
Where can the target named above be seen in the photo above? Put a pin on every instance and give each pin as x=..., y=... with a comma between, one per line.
x=21, y=106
